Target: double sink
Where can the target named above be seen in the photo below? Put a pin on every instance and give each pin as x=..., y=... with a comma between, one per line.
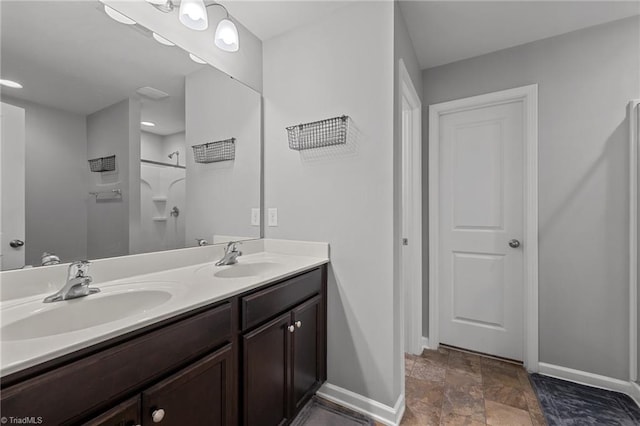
x=116, y=302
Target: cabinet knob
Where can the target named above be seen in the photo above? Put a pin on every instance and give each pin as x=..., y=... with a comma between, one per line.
x=291, y=329
x=157, y=415
x=298, y=324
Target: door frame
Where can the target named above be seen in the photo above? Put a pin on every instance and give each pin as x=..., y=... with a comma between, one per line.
x=634, y=152
x=528, y=95
x=411, y=215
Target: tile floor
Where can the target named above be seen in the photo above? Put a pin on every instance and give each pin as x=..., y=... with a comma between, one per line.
x=450, y=387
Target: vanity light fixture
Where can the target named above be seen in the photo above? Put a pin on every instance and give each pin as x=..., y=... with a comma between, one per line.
x=10, y=83
x=194, y=58
x=162, y=40
x=147, y=123
x=227, y=36
x=117, y=16
x=193, y=15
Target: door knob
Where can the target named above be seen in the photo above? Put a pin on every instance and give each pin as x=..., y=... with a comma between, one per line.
x=514, y=243
x=16, y=243
x=157, y=415
x=291, y=329
x=298, y=324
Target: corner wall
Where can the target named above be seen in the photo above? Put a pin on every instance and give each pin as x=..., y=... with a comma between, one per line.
x=341, y=64
x=586, y=79
x=403, y=49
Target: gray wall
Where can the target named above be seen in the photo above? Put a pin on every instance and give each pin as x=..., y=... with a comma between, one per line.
x=586, y=79
x=402, y=49
x=220, y=195
x=340, y=64
x=108, y=220
x=56, y=182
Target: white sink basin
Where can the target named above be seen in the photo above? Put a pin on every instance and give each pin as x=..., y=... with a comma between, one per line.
x=242, y=270
x=50, y=319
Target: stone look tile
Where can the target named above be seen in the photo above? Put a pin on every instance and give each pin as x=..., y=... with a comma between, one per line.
x=456, y=420
x=507, y=395
x=408, y=366
x=498, y=376
x=448, y=387
x=504, y=415
x=436, y=357
x=466, y=400
x=462, y=378
x=424, y=391
x=420, y=414
x=428, y=370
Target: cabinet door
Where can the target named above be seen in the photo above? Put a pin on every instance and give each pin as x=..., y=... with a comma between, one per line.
x=307, y=352
x=125, y=414
x=266, y=373
x=199, y=395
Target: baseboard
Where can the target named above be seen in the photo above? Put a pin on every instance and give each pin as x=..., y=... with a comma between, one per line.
x=425, y=343
x=590, y=379
x=635, y=393
x=380, y=412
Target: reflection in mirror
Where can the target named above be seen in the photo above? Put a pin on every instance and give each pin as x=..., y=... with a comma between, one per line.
x=97, y=158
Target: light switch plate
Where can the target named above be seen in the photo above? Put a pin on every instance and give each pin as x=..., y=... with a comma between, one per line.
x=255, y=217
x=272, y=217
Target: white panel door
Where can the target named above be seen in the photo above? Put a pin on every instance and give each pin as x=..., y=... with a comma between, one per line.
x=12, y=181
x=481, y=301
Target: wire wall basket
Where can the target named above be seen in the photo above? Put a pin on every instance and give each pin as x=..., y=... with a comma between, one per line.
x=213, y=152
x=103, y=164
x=332, y=131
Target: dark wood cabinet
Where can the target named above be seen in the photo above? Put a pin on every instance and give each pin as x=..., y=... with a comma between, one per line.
x=266, y=358
x=199, y=395
x=253, y=359
x=284, y=358
x=307, y=350
x=124, y=414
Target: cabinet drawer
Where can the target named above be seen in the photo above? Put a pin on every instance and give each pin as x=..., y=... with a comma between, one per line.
x=265, y=304
x=79, y=388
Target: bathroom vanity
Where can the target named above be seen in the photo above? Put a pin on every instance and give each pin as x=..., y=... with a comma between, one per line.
x=249, y=353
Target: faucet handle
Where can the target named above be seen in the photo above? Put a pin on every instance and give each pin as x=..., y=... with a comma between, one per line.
x=78, y=269
x=232, y=246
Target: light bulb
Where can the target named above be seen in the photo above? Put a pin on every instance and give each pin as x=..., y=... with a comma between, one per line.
x=226, y=37
x=193, y=14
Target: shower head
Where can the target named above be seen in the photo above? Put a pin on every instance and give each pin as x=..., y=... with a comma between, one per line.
x=174, y=153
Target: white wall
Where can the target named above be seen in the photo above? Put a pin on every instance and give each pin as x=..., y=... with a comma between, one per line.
x=56, y=182
x=108, y=133
x=341, y=64
x=244, y=65
x=403, y=49
x=220, y=195
x=157, y=147
x=586, y=79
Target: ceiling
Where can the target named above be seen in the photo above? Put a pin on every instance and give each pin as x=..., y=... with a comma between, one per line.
x=447, y=31
x=270, y=18
x=71, y=56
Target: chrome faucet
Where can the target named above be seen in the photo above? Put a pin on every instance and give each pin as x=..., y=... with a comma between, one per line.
x=77, y=284
x=231, y=254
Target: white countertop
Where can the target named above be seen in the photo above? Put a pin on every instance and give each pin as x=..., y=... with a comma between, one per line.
x=191, y=287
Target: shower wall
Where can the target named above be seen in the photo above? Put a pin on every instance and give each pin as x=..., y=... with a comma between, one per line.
x=161, y=189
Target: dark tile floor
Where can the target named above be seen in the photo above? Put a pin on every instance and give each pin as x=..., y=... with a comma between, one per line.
x=450, y=387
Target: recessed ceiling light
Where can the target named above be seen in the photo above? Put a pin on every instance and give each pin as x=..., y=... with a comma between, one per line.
x=147, y=123
x=10, y=83
x=162, y=40
x=114, y=14
x=194, y=58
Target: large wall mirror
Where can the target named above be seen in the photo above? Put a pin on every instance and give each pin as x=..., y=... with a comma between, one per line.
x=117, y=143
